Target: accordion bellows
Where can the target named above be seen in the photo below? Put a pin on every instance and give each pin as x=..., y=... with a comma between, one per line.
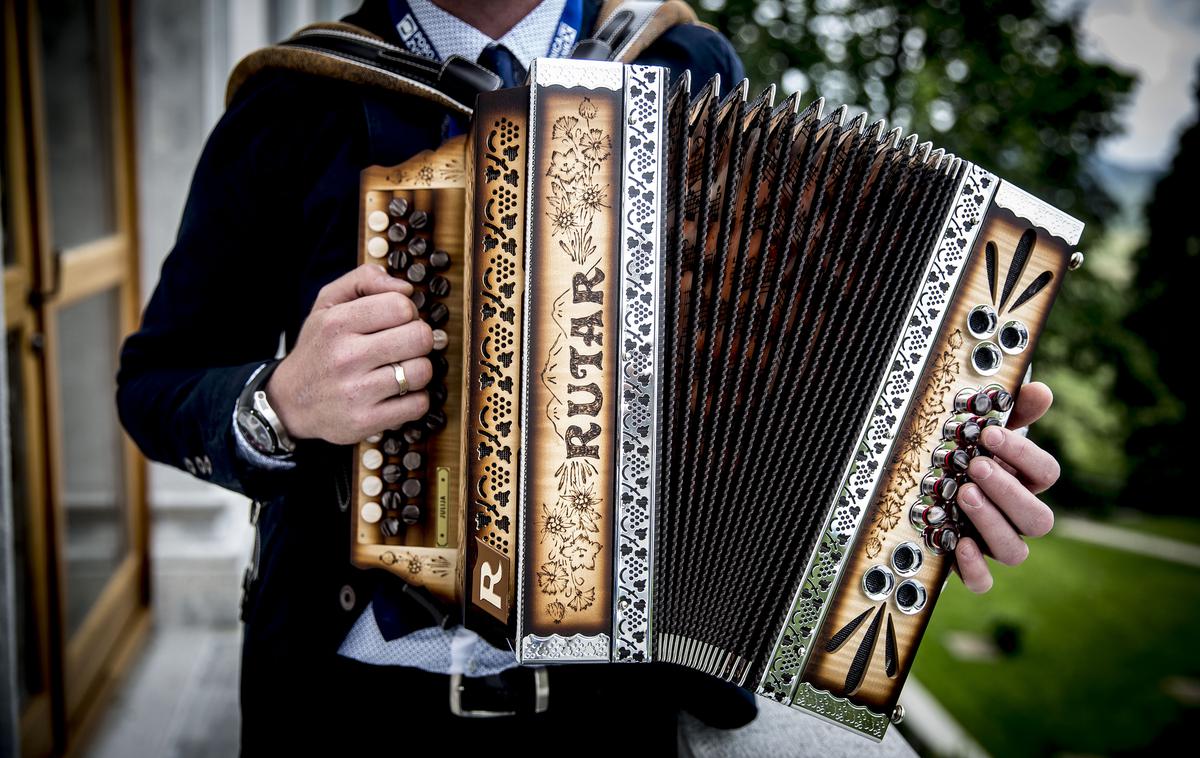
x=709, y=380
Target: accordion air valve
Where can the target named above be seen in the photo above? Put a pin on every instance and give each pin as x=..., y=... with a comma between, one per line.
x=709, y=374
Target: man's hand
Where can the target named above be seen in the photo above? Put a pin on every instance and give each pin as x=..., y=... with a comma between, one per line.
x=338, y=384
x=1002, y=500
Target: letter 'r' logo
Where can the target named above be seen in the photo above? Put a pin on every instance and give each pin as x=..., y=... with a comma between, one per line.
x=491, y=588
x=489, y=578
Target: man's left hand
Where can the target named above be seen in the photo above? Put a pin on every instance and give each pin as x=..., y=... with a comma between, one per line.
x=1001, y=499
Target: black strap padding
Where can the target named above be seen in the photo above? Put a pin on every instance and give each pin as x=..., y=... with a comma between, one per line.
x=457, y=78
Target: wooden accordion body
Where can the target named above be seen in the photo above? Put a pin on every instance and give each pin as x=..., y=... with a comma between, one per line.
x=708, y=371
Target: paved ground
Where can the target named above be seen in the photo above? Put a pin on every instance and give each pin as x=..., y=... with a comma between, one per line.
x=180, y=701
x=1128, y=540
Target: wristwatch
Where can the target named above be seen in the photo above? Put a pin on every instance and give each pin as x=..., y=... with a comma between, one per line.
x=257, y=420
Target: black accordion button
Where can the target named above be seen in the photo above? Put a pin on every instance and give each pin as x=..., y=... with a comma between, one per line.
x=418, y=219
x=418, y=299
x=411, y=514
x=398, y=261
x=440, y=260
x=437, y=395
x=440, y=364
x=435, y=421
x=397, y=232
x=411, y=488
x=418, y=246
x=439, y=314
x=413, y=434
x=390, y=527
x=416, y=273
x=392, y=501
x=391, y=445
x=392, y=473
x=439, y=286
x=413, y=460
x=398, y=207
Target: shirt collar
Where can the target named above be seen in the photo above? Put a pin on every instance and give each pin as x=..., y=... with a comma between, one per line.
x=451, y=35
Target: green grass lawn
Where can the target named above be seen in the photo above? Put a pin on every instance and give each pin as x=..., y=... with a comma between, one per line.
x=1174, y=527
x=1100, y=631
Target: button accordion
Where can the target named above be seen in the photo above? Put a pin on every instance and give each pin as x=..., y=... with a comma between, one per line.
x=708, y=373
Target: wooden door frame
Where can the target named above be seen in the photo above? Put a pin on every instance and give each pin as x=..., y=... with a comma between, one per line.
x=82, y=669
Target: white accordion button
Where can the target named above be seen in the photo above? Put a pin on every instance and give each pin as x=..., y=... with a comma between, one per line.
x=374, y=439
x=377, y=247
x=371, y=513
x=372, y=486
x=372, y=459
x=440, y=339
x=377, y=221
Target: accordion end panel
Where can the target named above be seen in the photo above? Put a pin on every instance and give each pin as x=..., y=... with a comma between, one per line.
x=887, y=548
x=406, y=482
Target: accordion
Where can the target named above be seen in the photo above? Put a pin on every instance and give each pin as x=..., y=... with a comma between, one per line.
x=708, y=373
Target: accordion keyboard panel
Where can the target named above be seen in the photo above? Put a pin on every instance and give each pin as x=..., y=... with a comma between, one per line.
x=406, y=518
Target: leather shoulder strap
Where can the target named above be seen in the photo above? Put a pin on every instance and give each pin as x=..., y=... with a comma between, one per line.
x=627, y=27
x=349, y=53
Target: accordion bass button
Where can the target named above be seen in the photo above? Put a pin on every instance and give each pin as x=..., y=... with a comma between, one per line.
x=963, y=432
x=924, y=515
x=941, y=487
x=975, y=402
x=1002, y=401
x=952, y=459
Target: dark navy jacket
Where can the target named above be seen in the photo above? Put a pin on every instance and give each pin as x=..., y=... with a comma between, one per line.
x=271, y=217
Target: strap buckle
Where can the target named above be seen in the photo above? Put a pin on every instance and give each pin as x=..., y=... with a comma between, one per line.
x=541, y=697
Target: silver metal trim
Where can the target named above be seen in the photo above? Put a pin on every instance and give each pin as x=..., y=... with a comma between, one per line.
x=639, y=361
x=1038, y=212
x=578, y=648
x=565, y=72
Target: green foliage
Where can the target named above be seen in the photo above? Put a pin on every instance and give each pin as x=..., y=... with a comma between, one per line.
x=1156, y=388
x=1002, y=83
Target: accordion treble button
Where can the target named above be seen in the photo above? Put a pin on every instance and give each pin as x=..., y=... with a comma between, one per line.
x=411, y=488
x=413, y=460
x=391, y=445
x=398, y=261
x=398, y=207
x=392, y=501
x=377, y=221
x=435, y=421
x=418, y=219
x=392, y=473
x=440, y=260
x=411, y=514
x=440, y=339
x=438, y=315
x=418, y=246
x=397, y=232
x=416, y=273
x=439, y=286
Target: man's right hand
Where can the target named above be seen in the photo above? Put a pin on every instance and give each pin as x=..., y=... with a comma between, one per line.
x=337, y=383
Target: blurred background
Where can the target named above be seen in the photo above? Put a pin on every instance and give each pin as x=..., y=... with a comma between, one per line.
x=1090, y=104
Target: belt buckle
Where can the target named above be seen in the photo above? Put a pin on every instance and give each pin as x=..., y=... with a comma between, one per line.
x=541, y=697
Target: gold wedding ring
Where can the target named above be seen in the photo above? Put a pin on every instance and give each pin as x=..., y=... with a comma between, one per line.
x=401, y=379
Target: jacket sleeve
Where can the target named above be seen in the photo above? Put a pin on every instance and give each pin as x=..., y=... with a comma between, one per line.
x=227, y=289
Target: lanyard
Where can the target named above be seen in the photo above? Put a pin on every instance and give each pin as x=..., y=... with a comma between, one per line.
x=418, y=42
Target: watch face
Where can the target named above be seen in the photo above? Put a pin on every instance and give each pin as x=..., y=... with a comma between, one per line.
x=256, y=432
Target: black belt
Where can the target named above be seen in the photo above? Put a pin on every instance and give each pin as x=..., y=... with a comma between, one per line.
x=512, y=692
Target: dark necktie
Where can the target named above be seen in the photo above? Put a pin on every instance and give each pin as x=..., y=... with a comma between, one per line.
x=499, y=60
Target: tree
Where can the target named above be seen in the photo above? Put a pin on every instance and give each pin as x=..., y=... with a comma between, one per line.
x=1157, y=387
x=1002, y=83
